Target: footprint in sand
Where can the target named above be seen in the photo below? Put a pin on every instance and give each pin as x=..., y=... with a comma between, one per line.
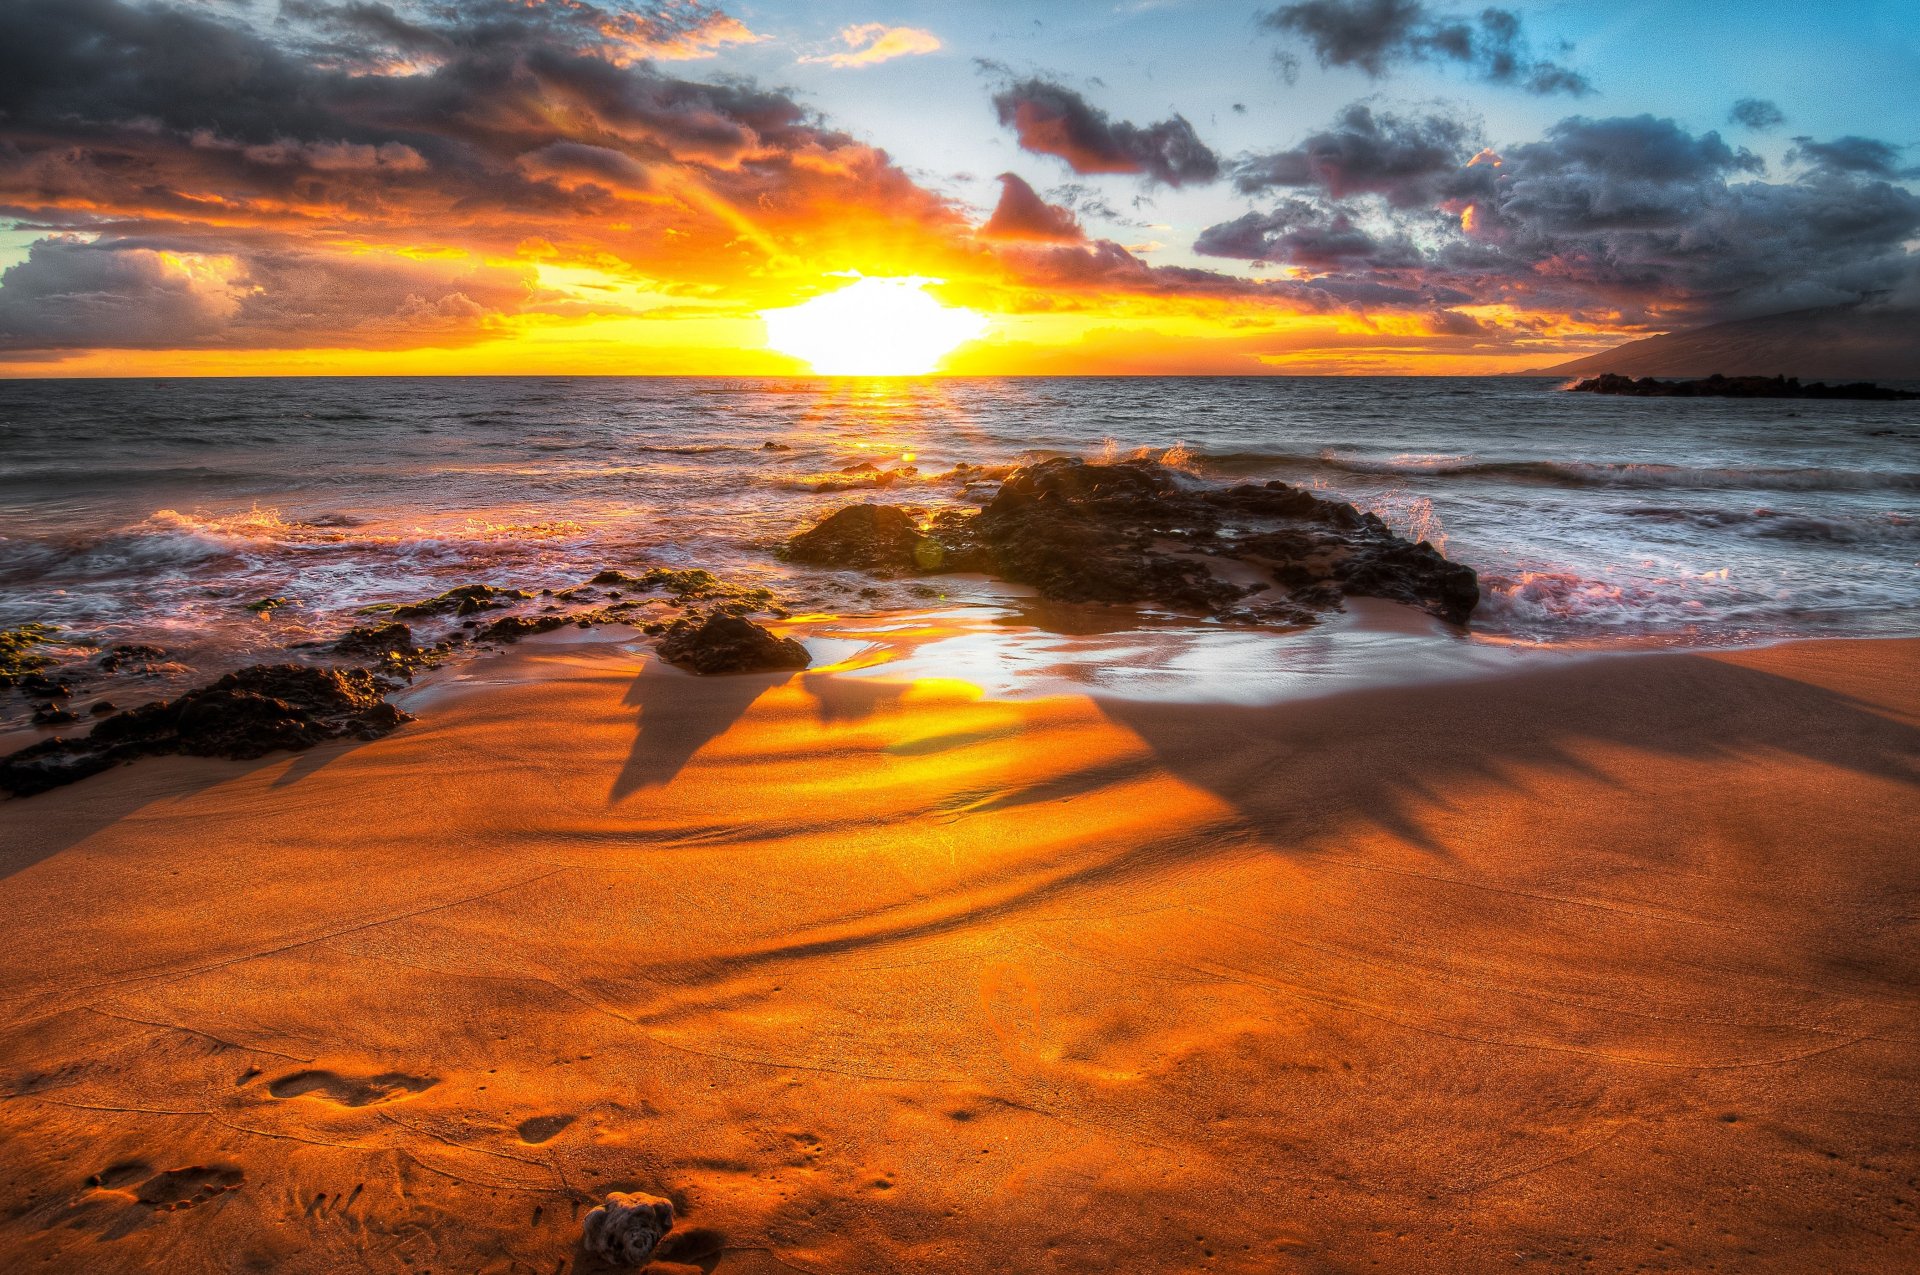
x=350, y=1091
x=542, y=1128
x=172, y=1189
x=184, y=1188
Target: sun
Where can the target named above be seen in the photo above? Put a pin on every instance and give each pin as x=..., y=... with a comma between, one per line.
x=872, y=327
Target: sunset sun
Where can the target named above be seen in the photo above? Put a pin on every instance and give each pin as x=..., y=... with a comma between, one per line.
x=872, y=327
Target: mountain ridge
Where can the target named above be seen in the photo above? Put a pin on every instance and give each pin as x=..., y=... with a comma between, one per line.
x=1860, y=341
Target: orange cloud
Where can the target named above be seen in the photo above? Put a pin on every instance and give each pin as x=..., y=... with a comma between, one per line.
x=874, y=42
x=1023, y=216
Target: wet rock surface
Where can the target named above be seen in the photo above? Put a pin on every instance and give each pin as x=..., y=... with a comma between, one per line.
x=1140, y=531
x=687, y=584
x=729, y=644
x=19, y=653
x=1735, y=387
x=468, y=599
x=868, y=538
x=248, y=714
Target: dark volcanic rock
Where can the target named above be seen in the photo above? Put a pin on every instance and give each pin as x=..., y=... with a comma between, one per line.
x=729, y=644
x=468, y=599
x=514, y=627
x=243, y=715
x=1138, y=531
x=874, y=538
x=130, y=657
x=18, y=656
x=377, y=641
x=388, y=647
x=684, y=584
x=1718, y=386
x=44, y=685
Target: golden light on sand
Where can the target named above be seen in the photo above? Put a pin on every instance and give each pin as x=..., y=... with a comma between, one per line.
x=873, y=327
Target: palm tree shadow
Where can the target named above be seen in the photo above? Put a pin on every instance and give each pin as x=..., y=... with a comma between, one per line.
x=679, y=714
x=1290, y=769
x=851, y=699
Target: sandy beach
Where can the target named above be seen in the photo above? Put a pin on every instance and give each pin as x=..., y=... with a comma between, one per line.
x=1599, y=963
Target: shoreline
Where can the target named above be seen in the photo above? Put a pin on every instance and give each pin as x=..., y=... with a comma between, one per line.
x=870, y=970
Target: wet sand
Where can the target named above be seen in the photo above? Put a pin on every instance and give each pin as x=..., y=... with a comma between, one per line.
x=1606, y=964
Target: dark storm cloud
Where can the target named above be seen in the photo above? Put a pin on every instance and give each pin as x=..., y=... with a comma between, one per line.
x=1297, y=231
x=1638, y=148
x=1757, y=114
x=1861, y=155
x=1375, y=36
x=1051, y=119
x=1403, y=159
x=1633, y=216
x=1023, y=216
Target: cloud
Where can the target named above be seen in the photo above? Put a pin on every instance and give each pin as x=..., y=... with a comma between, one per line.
x=1051, y=119
x=569, y=164
x=1023, y=216
x=1307, y=233
x=436, y=132
x=1861, y=155
x=1400, y=158
x=875, y=42
x=68, y=292
x=1376, y=36
x=1757, y=114
x=1626, y=218
x=151, y=294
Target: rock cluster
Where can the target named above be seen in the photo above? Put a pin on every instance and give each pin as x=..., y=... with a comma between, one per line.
x=468, y=599
x=1717, y=386
x=19, y=659
x=1139, y=531
x=729, y=644
x=247, y=714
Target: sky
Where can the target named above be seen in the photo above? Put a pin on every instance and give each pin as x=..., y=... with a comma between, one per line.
x=1149, y=186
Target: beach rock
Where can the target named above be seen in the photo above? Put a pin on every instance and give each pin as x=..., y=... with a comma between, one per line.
x=729, y=644
x=130, y=657
x=377, y=641
x=882, y=538
x=685, y=584
x=52, y=715
x=627, y=1228
x=468, y=599
x=1717, y=386
x=514, y=627
x=247, y=714
x=388, y=647
x=1140, y=531
x=19, y=657
x=1081, y=532
x=44, y=686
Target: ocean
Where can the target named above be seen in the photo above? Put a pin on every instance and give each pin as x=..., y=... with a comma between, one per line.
x=155, y=511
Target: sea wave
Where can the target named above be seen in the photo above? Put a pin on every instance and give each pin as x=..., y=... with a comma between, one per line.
x=1573, y=474
x=1776, y=524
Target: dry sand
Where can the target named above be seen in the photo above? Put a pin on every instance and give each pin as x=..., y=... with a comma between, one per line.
x=1594, y=965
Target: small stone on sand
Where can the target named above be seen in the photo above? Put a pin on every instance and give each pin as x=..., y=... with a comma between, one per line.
x=627, y=1228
